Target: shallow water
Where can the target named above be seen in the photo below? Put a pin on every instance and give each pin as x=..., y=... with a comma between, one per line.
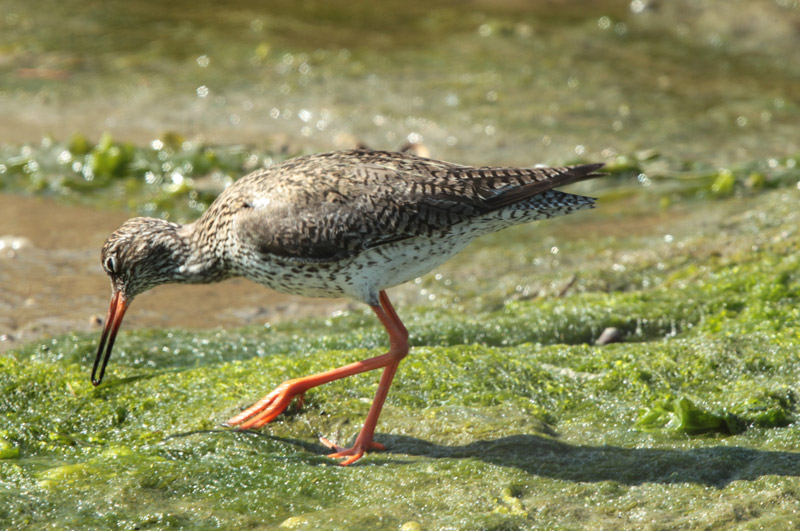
x=510, y=82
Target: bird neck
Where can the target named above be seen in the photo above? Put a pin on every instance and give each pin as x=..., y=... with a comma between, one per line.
x=199, y=263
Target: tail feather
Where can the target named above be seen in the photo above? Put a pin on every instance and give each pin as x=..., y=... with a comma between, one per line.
x=553, y=178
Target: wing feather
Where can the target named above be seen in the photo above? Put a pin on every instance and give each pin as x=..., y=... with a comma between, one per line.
x=335, y=205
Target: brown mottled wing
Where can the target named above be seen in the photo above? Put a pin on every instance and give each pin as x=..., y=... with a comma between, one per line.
x=364, y=199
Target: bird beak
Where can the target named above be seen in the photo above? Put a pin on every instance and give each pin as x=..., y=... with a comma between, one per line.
x=115, y=313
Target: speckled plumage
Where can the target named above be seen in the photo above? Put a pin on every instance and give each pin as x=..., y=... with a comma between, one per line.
x=345, y=223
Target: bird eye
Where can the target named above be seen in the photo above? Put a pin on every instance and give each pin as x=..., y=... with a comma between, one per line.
x=111, y=265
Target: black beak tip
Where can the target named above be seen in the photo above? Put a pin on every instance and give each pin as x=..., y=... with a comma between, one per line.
x=95, y=382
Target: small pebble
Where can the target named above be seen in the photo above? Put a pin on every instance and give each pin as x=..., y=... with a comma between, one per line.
x=294, y=522
x=11, y=245
x=609, y=335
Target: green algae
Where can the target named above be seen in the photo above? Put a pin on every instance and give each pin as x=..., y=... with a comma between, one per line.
x=170, y=178
x=178, y=179
x=504, y=416
x=8, y=450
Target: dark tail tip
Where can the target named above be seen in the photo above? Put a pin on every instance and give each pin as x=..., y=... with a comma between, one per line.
x=590, y=170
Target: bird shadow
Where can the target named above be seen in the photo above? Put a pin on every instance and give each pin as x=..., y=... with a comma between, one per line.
x=547, y=457
x=543, y=456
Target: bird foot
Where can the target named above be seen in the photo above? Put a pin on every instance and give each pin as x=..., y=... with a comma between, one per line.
x=352, y=454
x=265, y=410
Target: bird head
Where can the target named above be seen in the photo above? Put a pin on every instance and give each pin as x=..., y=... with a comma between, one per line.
x=141, y=254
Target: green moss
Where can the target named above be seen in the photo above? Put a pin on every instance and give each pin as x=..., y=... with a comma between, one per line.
x=682, y=415
x=724, y=183
x=8, y=450
x=505, y=415
x=171, y=178
x=177, y=179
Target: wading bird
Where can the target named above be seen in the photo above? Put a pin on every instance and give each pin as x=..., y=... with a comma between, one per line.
x=340, y=224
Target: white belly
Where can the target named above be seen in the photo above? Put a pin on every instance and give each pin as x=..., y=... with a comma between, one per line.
x=363, y=276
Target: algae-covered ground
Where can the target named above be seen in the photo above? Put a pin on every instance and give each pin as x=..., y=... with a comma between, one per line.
x=505, y=415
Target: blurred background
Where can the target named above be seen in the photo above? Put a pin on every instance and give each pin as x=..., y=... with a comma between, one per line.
x=141, y=107
x=510, y=81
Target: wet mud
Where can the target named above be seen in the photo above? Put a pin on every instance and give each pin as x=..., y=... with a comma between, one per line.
x=53, y=282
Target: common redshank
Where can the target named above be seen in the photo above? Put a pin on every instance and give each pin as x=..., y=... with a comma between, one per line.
x=340, y=224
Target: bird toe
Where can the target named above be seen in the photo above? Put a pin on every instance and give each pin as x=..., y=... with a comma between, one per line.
x=351, y=455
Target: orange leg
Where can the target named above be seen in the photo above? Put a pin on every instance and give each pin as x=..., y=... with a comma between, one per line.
x=390, y=311
x=272, y=405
